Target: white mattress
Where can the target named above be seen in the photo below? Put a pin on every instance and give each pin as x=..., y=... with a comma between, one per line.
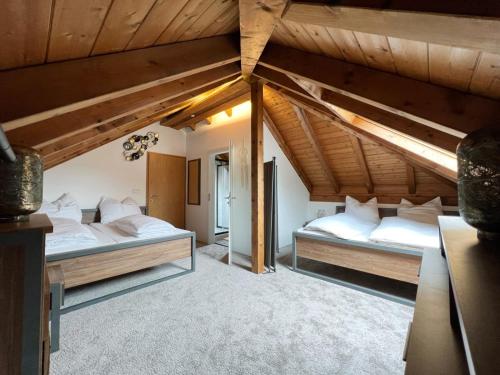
x=120, y=236
x=328, y=235
x=102, y=240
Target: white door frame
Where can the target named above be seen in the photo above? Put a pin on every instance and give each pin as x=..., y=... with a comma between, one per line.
x=212, y=180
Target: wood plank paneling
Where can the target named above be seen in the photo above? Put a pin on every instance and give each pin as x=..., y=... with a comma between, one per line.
x=187, y=17
x=411, y=58
x=122, y=21
x=451, y=66
x=486, y=78
x=75, y=26
x=377, y=51
x=24, y=32
x=209, y=18
x=160, y=16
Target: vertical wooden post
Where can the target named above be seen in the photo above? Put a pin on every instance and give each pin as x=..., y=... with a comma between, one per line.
x=257, y=131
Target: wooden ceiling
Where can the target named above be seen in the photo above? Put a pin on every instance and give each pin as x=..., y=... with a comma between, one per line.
x=467, y=70
x=41, y=31
x=366, y=97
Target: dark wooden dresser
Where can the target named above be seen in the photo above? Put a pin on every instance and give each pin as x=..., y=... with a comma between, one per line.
x=456, y=323
x=24, y=297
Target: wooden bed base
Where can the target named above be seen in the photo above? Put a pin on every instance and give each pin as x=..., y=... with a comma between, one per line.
x=394, y=265
x=87, y=266
x=95, y=267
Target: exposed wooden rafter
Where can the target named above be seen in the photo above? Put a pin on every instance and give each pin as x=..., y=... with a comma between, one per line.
x=424, y=133
x=313, y=140
x=360, y=157
x=86, y=140
x=286, y=150
x=410, y=176
x=257, y=22
x=40, y=92
x=228, y=97
x=394, y=142
x=460, y=24
x=53, y=129
x=437, y=107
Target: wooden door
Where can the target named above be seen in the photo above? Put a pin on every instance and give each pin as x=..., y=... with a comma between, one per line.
x=166, y=188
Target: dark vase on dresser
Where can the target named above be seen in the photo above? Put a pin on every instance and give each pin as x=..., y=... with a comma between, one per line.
x=478, y=157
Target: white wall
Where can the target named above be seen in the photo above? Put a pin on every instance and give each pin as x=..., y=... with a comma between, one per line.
x=203, y=143
x=104, y=171
x=293, y=197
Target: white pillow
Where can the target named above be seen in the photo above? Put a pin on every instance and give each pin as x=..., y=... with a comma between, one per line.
x=425, y=213
x=142, y=225
x=65, y=207
x=343, y=226
x=111, y=209
x=396, y=230
x=365, y=211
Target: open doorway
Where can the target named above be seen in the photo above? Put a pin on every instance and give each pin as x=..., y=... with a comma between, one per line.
x=222, y=198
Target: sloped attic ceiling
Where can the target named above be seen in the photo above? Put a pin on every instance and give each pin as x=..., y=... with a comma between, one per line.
x=390, y=175
x=93, y=73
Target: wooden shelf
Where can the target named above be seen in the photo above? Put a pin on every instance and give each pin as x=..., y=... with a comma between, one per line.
x=434, y=347
x=474, y=269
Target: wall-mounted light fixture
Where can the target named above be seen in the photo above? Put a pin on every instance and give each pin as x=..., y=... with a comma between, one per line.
x=137, y=145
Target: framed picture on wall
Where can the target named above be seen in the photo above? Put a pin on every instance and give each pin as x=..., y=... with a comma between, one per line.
x=194, y=176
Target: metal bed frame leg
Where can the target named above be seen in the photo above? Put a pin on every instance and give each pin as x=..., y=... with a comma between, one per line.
x=294, y=252
x=55, y=315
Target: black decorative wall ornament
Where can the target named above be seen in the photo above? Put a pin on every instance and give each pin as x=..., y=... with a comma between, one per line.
x=137, y=145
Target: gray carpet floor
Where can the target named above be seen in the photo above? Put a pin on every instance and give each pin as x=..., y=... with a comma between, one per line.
x=225, y=320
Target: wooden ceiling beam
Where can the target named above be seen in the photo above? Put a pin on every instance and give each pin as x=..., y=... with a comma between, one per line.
x=36, y=93
x=273, y=128
x=453, y=23
x=414, y=129
x=306, y=126
x=360, y=157
x=257, y=22
x=410, y=177
x=383, y=137
x=89, y=139
x=50, y=130
x=437, y=107
x=225, y=104
x=217, y=101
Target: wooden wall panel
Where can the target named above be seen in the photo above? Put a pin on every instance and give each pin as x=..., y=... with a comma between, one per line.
x=24, y=32
x=187, y=17
x=75, y=26
x=159, y=17
x=122, y=21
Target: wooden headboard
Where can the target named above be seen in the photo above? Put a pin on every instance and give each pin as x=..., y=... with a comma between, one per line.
x=92, y=215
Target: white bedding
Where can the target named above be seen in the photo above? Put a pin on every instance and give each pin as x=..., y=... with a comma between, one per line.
x=69, y=245
x=396, y=231
x=344, y=226
x=120, y=236
x=393, y=231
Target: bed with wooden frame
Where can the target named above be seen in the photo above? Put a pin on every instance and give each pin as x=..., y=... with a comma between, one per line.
x=76, y=268
x=402, y=264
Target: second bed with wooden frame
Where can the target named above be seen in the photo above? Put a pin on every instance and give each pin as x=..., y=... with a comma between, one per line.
x=397, y=263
